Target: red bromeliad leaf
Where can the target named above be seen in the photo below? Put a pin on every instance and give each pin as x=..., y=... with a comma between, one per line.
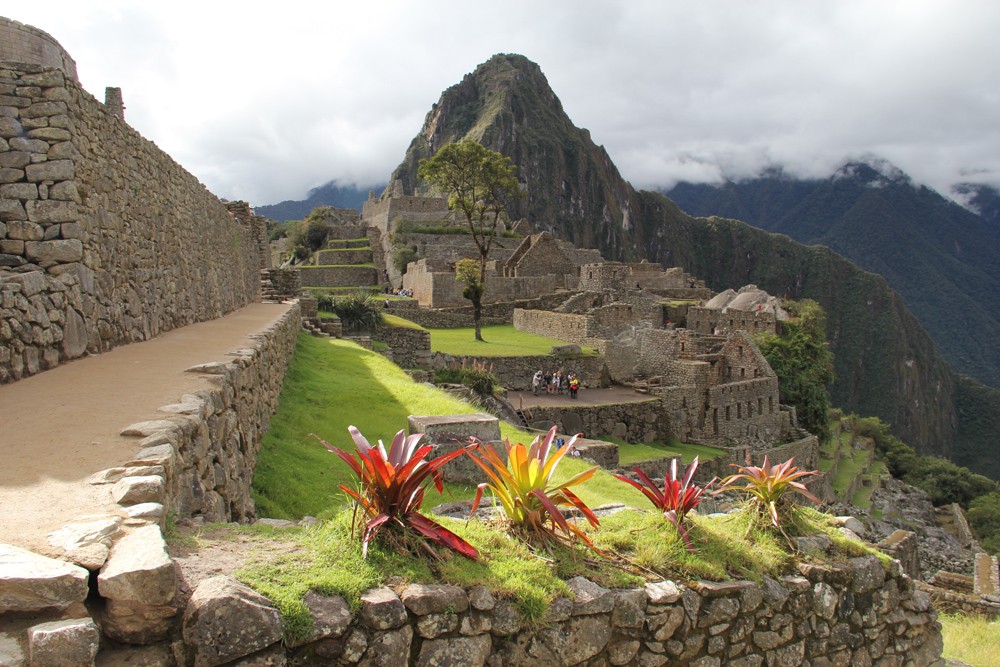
x=371, y=529
x=438, y=533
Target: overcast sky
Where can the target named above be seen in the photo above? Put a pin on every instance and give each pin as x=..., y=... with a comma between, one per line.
x=265, y=100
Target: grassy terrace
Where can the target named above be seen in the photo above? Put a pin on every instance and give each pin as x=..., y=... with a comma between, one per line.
x=334, y=383
x=630, y=453
x=499, y=341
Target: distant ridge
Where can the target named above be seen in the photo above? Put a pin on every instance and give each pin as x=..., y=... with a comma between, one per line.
x=943, y=259
x=331, y=194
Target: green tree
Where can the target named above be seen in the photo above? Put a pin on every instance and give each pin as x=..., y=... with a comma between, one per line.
x=800, y=356
x=479, y=183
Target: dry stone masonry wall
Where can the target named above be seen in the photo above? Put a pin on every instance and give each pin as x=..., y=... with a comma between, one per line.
x=104, y=239
x=858, y=613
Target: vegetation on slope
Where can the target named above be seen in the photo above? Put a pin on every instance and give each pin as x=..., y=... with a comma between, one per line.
x=800, y=356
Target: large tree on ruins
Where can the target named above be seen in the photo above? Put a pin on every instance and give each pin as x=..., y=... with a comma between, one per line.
x=480, y=183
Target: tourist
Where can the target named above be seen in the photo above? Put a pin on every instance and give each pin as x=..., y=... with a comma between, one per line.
x=574, y=385
x=536, y=382
x=547, y=381
x=557, y=382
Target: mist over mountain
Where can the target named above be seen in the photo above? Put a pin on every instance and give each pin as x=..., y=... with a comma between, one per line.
x=886, y=363
x=942, y=258
x=330, y=194
x=981, y=199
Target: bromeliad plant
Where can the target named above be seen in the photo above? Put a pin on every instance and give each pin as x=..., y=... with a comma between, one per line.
x=530, y=498
x=678, y=497
x=766, y=487
x=391, y=488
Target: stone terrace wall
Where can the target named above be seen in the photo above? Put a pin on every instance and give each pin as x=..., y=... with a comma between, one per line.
x=564, y=326
x=515, y=372
x=634, y=422
x=208, y=447
x=104, y=239
x=856, y=613
x=411, y=348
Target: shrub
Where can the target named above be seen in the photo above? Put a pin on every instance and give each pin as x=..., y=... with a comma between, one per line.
x=391, y=488
x=678, y=497
x=530, y=499
x=478, y=376
x=359, y=311
x=403, y=255
x=766, y=487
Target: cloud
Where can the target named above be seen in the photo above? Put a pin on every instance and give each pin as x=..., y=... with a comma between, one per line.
x=265, y=101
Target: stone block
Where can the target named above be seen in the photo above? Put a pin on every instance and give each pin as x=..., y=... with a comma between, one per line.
x=471, y=651
x=139, y=569
x=29, y=145
x=590, y=598
x=51, y=170
x=226, y=620
x=24, y=231
x=61, y=251
x=662, y=592
x=11, y=209
x=68, y=643
x=50, y=134
x=139, y=489
x=381, y=609
x=29, y=582
x=75, y=535
x=15, y=159
x=331, y=618
x=422, y=599
x=8, y=175
x=10, y=127
x=48, y=211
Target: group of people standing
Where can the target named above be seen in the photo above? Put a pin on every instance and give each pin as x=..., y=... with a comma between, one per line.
x=555, y=382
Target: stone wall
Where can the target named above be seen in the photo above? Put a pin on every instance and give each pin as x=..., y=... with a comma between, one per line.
x=564, y=326
x=20, y=43
x=435, y=289
x=208, y=446
x=411, y=348
x=461, y=316
x=708, y=320
x=515, y=372
x=344, y=256
x=634, y=422
x=196, y=461
x=104, y=239
x=338, y=276
x=855, y=613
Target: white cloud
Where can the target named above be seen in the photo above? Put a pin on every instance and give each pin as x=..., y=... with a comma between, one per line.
x=264, y=101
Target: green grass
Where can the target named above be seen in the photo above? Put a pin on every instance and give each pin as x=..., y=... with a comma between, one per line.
x=500, y=341
x=852, y=462
x=396, y=321
x=365, y=265
x=973, y=640
x=335, y=383
x=630, y=453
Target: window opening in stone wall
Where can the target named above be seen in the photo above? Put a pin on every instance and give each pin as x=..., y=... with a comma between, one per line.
x=728, y=413
x=739, y=411
x=743, y=372
x=741, y=350
x=770, y=404
x=749, y=410
x=760, y=405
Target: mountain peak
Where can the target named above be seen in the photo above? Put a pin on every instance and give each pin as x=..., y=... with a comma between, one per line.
x=875, y=172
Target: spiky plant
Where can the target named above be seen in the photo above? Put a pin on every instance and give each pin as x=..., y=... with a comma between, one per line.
x=391, y=485
x=524, y=486
x=767, y=485
x=677, y=498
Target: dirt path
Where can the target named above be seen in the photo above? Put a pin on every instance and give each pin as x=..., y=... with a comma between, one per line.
x=59, y=427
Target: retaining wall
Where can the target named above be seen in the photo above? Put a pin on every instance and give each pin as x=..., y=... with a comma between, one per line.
x=338, y=276
x=853, y=613
x=104, y=239
x=634, y=422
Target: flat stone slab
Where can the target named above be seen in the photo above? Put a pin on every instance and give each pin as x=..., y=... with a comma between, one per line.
x=139, y=569
x=483, y=427
x=64, y=643
x=29, y=582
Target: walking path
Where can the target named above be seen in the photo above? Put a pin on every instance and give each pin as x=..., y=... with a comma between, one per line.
x=59, y=427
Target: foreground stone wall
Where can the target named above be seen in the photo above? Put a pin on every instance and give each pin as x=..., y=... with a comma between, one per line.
x=633, y=422
x=208, y=446
x=855, y=613
x=104, y=239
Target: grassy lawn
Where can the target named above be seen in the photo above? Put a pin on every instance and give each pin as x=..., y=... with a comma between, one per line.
x=972, y=640
x=629, y=453
x=500, y=341
x=396, y=321
x=335, y=383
